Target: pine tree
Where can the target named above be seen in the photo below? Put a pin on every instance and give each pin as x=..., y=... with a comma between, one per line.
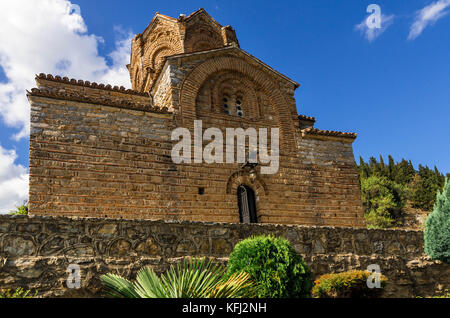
x=437, y=231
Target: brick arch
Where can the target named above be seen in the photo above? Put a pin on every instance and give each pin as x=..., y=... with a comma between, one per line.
x=197, y=34
x=259, y=187
x=195, y=80
x=241, y=178
x=157, y=55
x=249, y=89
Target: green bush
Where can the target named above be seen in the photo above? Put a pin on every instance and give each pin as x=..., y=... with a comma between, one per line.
x=437, y=230
x=351, y=284
x=20, y=210
x=18, y=293
x=274, y=266
x=383, y=201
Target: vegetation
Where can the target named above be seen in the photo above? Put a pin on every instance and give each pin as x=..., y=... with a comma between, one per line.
x=18, y=293
x=387, y=188
x=351, y=284
x=197, y=279
x=437, y=230
x=383, y=200
x=20, y=210
x=274, y=266
x=447, y=295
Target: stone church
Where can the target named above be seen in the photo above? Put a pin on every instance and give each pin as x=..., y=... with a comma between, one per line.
x=105, y=152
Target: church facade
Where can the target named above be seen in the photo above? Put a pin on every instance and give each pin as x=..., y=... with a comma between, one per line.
x=102, y=151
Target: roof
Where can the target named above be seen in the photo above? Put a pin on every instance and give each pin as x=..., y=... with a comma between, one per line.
x=103, y=100
x=66, y=80
x=318, y=132
x=175, y=20
x=241, y=51
x=306, y=118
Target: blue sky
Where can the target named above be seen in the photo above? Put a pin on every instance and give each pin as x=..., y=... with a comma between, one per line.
x=393, y=90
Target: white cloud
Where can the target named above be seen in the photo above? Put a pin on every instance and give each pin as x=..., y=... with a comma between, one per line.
x=50, y=36
x=46, y=36
x=372, y=33
x=428, y=16
x=13, y=181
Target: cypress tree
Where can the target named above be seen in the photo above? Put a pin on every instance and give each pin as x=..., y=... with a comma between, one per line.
x=383, y=170
x=373, y=164
x=437, y=231
x=392, y=168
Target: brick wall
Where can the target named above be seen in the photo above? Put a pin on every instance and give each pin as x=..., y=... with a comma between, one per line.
x=105, y=152
x=36, y=251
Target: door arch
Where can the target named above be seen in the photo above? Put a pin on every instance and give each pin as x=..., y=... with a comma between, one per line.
x=247, y=204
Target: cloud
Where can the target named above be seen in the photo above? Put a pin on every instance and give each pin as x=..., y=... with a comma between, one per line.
x=13, y=181
x=372, y=33
x=428, y=16
x=50, y=36
x=46, y=36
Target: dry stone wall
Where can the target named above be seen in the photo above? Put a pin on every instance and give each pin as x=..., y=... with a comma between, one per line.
x=35, y=252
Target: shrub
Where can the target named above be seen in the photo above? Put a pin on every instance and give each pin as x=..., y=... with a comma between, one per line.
x=273, y=265
x=197, y=279
x=383, y=200
x=18, y=293
x=437, y=230
x=351, y=284
x=20, y=210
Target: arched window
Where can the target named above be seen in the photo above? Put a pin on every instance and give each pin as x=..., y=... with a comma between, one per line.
x=247, y=205
x=233, y=104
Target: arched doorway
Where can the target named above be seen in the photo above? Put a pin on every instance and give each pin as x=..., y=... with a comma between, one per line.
x=247, y=204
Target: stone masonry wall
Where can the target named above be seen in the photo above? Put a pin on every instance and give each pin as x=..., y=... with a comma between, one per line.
x=35, y=252
x=92, y=154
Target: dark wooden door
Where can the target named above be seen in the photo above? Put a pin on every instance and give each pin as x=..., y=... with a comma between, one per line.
x=247, y=205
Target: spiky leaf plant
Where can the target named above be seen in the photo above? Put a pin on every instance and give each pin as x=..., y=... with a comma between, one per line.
x=196, y=279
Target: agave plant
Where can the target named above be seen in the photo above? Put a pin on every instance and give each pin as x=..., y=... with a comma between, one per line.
x=196, y=279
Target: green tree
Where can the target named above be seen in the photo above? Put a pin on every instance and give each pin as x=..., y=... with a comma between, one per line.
x=437, y=230
x=363, y=169
x=392, y=168
x=425, y=187
x=383, y=200
x=383, y=170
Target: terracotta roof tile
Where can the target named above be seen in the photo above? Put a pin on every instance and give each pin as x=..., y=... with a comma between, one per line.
x=318, y=132
x=66, y=80
x=303, y=117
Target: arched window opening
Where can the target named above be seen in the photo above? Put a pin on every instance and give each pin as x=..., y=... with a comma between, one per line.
x=226, y=104
x=247, y=205
x=232, y=105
